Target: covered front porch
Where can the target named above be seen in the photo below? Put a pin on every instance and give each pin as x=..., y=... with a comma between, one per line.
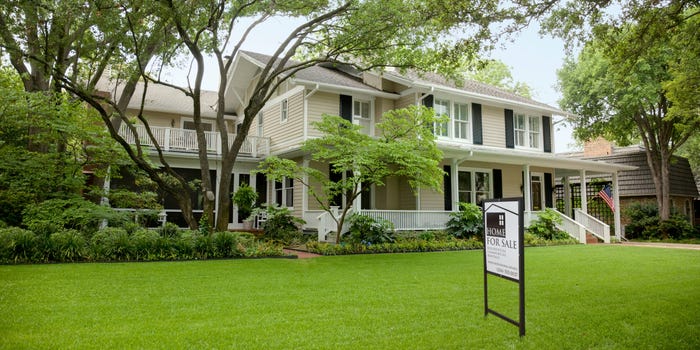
x=481, y=173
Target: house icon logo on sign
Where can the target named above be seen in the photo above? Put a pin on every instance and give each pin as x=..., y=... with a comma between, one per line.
x=496, y=224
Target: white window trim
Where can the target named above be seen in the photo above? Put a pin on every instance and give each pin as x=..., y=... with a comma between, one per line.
x=448, y=123
x=542, y=190
x=356, y=118
x=284, y=111
x=186, y=119
x=473, y=172
x=526, y=139
x=261, y=126
x=284, y=190
x=454, y=120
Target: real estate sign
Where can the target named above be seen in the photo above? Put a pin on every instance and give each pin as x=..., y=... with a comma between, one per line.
x=502, y=241
x=503, y=250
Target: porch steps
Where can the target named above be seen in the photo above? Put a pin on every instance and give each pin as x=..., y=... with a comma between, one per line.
x=591, y=239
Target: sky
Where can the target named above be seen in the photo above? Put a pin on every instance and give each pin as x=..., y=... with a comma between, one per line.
x=533, y=59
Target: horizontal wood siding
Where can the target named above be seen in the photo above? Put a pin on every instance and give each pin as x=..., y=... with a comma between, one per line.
x=405, y=101
x=431, y=200
x=493, y=126
x=321, y=103
x=281, y=133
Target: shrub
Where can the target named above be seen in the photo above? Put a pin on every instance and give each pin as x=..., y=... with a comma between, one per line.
x=281, y=226
x=367, y=230
x=67, y=245
x=149, y=245
x=111, y=243
x=185, y=244
x=227, y=245
x=545, y=226
x=169, y=230
x=646, y=225
x=17, y=245
x=50, y=216
x=468, y=222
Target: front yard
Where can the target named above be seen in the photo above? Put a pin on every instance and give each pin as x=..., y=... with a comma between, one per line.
x=578, y=297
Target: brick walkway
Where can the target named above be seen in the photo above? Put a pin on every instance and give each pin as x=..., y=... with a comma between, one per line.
x=301, y=254
x=663, y=245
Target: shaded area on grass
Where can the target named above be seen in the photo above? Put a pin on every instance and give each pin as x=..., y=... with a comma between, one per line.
x=578, y=297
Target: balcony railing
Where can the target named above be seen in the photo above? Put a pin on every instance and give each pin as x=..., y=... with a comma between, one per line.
x=184, y=140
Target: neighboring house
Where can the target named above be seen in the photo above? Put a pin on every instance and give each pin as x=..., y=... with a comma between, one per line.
x=637, y=186
x=496, y=144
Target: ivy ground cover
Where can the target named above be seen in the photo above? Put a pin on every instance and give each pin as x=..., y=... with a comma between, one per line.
x=577, y=297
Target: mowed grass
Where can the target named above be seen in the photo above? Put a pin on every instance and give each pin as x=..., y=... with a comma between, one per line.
x=578, y=297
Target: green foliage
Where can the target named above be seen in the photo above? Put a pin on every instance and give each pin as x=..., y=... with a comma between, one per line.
x=170, y=230
x=281, y=226
x=75, y=213
x=67, y=245
x=403, y=246
x=468, y=222
x=367, y=230
x=245, y=199
x=645, y=224
x=111, y=244
x=531, y=240
x=545, y=226
x=497, y=73
x=17, y=245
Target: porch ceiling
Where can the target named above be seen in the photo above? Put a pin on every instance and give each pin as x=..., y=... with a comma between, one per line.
x=563, y=166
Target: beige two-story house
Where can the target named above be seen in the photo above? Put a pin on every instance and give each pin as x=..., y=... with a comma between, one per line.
x=496, y=144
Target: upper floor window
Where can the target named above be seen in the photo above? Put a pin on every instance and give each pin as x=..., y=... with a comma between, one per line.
x=260, y=124
x=361, y=114
x=461, y=121
x=527, y=131
x=442, y=108
x=283, y=111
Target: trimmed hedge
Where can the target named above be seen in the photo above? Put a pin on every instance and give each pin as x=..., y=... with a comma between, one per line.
x=116, y=244
x=418, y=245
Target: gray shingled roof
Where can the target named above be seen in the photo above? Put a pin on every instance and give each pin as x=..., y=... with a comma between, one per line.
x=475, y=87
x=639, y=182
x=343, y=76
x=319, y=74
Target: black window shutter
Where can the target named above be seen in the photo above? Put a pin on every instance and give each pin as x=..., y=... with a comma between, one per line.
x=428, y=101
x=447, y=183
x=497, y=183
x=547, y=133
x=346, y=107
x=333, y=176
x=510, y=132
x=548, y=188
x=476, y=125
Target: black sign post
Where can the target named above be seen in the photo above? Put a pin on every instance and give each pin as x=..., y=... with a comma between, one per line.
x=503, y=250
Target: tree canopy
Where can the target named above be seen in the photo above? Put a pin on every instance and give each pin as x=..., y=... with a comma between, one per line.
x=639, y=81
x=405, y=147
x=497, y=73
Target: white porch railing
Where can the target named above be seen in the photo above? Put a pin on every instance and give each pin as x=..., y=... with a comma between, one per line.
x=594, y=226
x=407, y=220
x=326, y=223
x=568, y=225
x=184, y=140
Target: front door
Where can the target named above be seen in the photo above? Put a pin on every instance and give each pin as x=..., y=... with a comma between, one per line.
x=537, y=195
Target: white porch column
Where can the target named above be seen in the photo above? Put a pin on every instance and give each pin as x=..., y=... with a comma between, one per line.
x=527, y=191
x=616, y=204
x=584, y=191
x=454, y=178
x=567, y=196
x=304, y=190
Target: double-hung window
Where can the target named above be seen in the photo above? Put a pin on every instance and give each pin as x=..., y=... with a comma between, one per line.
x=527, y=131
x=474, y=185
x=461, y=121
x=284, y=192
x=260, y=123
x=442, y=108
x=283, y=111
x=361, y=114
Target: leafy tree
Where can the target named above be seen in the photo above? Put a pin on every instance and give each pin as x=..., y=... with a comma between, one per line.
x=405, y=148
x=498, y=74
x=638, y=82
x=69, y=44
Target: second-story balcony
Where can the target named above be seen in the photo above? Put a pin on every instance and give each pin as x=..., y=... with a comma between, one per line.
x=184, y=140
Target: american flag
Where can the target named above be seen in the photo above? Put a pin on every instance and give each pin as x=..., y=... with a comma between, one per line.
x=606, y=194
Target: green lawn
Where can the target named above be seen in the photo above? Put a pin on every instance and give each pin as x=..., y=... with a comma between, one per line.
x=578, y=297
